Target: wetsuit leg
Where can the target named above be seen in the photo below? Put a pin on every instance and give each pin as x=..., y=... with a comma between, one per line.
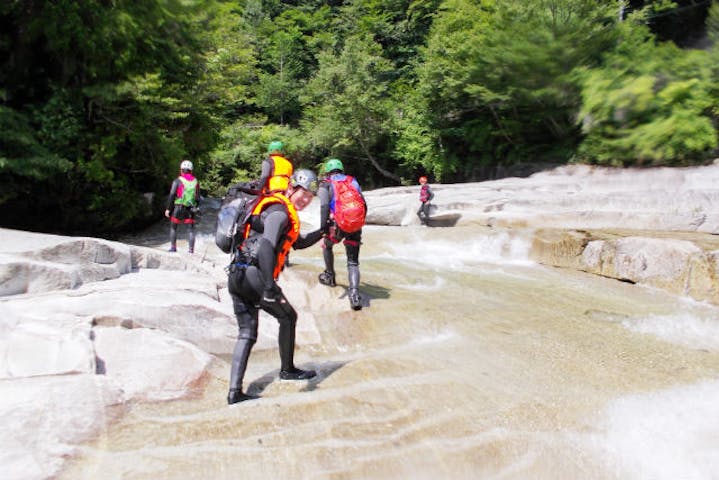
x=328, y=276
x=173, y=236
x=287, y=318
x=246, y=314
x=425, y=209
x=191, y=237
x=247, y=321
x=352, y=248
x=328, y=255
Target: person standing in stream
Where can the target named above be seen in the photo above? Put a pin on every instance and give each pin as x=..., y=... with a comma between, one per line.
x=182, y=204
x=425, y=197
x=276, y=169
x=272, y=229
x=342, y=214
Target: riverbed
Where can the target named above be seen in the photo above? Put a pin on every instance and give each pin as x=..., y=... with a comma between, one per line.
x=468, y=361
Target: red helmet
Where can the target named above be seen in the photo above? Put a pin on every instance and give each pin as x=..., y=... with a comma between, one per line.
x=422, y=179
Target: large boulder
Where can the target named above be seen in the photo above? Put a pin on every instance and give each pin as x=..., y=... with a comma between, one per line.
x=34, y=263
x=684, y=266
x=33, y=346
x=45, y=418
x=569, y=197
x=157, y=367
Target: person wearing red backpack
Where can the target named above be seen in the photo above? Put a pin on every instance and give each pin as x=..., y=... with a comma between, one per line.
x=342, y=214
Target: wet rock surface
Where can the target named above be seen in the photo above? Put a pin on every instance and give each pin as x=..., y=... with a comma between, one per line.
x=90, y=325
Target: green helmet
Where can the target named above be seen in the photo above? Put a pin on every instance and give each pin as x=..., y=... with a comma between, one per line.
x=306, y=179
x=275, y=146
x=334, y=164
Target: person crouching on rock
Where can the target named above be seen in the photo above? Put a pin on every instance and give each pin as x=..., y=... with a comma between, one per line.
x=272, y=229
x=425, y=197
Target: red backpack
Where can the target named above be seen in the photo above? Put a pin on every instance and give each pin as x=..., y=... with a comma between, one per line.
x=349, y=211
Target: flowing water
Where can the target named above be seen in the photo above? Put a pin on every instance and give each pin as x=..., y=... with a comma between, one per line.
x=469, y=362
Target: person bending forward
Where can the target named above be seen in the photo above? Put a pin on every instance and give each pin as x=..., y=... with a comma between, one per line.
x=273, y=229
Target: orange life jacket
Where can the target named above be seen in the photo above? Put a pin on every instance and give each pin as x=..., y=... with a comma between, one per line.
x=280, y=175
x=290, y=236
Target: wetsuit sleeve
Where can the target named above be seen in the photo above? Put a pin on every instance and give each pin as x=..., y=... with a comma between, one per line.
x=275, y=222
x=197, y=194
x=304, y=241
x=266, y=173
x=173, y=194
x=324, y=194
x=430, y=193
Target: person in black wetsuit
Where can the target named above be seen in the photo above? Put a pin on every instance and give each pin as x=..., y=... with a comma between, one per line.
x=272, y=230
x=334, y=234
x=276, y=169
x=182, y=203
x=425, y=197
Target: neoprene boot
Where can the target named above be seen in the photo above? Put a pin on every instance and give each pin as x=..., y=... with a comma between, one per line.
x=353, y=293
x=297, y=374
x=236, y=396
x=328, y=276
x=191, y=239
x=173, y=238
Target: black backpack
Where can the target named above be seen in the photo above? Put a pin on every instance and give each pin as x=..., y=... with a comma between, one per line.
x=235, y=211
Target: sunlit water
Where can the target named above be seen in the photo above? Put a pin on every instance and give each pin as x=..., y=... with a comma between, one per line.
x=469, y=362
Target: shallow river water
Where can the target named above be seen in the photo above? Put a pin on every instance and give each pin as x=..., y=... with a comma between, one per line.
x=469, y=362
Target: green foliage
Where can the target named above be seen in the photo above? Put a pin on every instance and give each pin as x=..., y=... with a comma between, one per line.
x=228, y=59
x=495, y=81
x=23, y=159
x=649, y=104
x=100, y=95
x=242, y=148
x=277, y=91
x=347, y=104
x=100, y=101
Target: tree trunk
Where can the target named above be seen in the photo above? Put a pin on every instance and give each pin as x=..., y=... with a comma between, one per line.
x=377, y=166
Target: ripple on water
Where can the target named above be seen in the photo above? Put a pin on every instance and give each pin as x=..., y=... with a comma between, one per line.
x=684, y=328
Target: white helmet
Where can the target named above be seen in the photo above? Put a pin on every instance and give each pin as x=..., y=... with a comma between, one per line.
x=186, y=165
x=306, y=179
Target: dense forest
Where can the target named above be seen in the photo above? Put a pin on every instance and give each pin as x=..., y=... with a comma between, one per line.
x=100, y=100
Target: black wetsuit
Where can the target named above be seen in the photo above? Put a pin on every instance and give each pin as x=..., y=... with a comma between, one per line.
x=252, y=287
x=352, y=242
x=428, y=195
x=182, y=214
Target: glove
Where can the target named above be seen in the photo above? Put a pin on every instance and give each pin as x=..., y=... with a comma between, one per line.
x=272, y=294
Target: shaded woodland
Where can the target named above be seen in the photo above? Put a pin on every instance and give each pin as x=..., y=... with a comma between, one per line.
x=100, y=100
